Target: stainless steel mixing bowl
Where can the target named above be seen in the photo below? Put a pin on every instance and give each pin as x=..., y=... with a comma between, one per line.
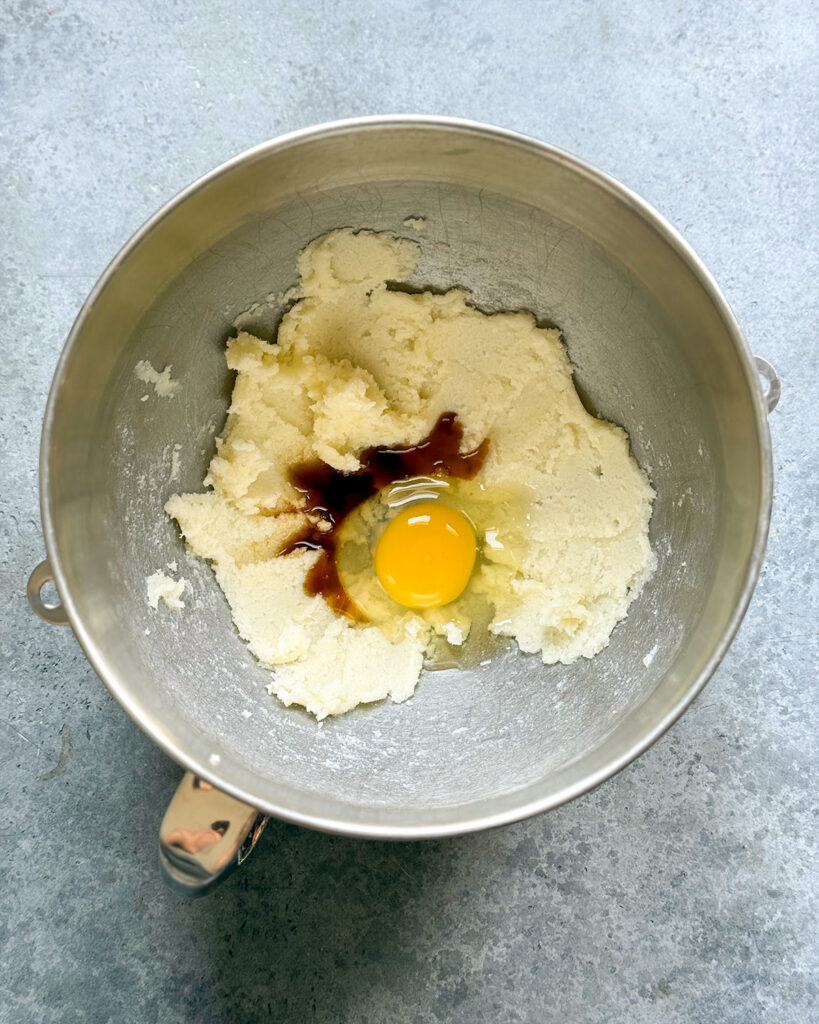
x=656, y=349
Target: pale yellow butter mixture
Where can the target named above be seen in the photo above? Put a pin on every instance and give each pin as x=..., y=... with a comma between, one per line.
x=357, y=365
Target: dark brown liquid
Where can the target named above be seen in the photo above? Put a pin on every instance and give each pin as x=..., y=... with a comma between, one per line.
x=332, y=496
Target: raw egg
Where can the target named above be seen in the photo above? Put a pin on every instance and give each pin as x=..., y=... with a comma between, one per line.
x=425, y=556
x=390, y=554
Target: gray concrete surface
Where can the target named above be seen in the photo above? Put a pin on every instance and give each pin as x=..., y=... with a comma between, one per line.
x=680, y=891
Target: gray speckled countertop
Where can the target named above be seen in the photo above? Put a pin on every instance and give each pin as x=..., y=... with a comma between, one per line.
x=679, y=891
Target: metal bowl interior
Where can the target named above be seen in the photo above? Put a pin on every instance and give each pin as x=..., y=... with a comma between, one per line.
x=522, y=226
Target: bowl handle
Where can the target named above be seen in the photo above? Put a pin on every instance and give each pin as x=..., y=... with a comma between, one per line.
x=204, y=835
x=53, y=613
x=772, y=393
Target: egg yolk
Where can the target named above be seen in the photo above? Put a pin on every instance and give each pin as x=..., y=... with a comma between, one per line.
x=425, y=556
